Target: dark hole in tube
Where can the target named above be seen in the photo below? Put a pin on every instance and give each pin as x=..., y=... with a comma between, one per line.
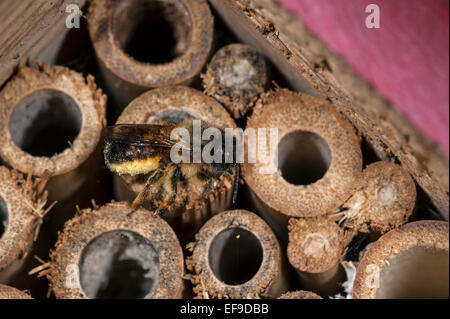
x=303, y=157
x=45, y=123
x=152, y=31
x=119, y=265
x=235, y=256
x=417, y=273
x=3, y=217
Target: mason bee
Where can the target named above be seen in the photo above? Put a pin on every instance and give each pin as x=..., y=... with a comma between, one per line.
x=141, y=149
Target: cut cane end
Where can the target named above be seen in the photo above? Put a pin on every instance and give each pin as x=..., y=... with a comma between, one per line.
x=384, y=198
x=22, y=208
x=27, y=97
x=310, y=124
x=299, y=294
x=88, y=241
x=315, y=245
x=259, y=270
x=407, y=262
x=190, y=23
x=236, y=76
x=7, y=292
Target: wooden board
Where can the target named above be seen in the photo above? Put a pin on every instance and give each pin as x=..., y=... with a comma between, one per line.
x=31, y=28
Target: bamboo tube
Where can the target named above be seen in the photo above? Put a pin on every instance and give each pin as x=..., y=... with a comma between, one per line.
x=192, y=207
x=316, y=246
x=319, y=159
x=408, y=262
x=236, y=255
x=384, y=198
x=236, y=76
x=21, y=211
x=52, y=120
x=7, y=292
x=299, y=294
x=116, y=252
x=147, y=44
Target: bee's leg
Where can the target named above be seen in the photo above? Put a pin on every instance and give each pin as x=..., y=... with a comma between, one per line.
x=236, y=182
x=157, y=174
x=175, y=178
x=203, y=176
x=174, y=181
x=164, y=205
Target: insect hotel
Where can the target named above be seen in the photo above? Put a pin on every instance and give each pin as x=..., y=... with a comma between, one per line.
x=336, y=195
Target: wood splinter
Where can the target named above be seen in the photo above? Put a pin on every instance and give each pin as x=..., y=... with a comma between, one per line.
x=22, y=208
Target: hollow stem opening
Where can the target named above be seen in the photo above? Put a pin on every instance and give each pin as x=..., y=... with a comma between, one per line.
x=45, y=123
x=303, y=157
x=119, y=264
x=152, y=31
x=235, y=256
x=416, y=273
x=3, y=217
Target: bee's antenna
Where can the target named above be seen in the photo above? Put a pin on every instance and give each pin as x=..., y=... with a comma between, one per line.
x=236, y=182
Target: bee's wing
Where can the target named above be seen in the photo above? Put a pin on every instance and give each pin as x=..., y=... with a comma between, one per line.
x=141, y=134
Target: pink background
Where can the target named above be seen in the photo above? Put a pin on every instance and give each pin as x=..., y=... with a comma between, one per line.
x=406, y=60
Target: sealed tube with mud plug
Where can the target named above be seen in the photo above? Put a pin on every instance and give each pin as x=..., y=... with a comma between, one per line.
x=236, y=76
x=316, y=247
x=384, y=198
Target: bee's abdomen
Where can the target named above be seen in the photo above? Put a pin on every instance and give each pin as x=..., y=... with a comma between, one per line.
x=130, y=159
